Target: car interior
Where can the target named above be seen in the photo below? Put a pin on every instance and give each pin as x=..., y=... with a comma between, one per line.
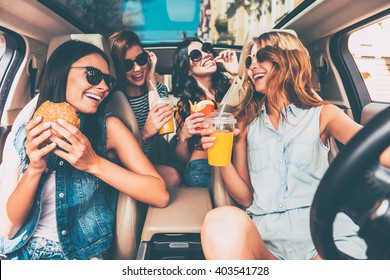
x=31, y=31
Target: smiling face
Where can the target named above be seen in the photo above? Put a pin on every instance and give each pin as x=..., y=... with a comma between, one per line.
x=80, y=94
x=259, y=72
x=136, y=76
x=205, y=67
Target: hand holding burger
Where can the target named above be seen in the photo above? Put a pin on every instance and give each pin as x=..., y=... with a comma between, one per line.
x=51, y=112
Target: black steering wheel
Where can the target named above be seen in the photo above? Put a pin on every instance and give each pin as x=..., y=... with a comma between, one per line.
x=359, y=186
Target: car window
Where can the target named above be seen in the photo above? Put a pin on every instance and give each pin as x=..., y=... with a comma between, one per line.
x=224, y=22
x=370, y=48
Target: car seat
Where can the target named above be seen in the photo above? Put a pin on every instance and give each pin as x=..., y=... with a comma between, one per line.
x=130, y=212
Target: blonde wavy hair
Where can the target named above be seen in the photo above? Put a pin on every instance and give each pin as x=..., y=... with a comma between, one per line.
x=289, y=78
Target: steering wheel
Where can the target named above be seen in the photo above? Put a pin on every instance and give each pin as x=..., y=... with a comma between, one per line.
x=359, y=186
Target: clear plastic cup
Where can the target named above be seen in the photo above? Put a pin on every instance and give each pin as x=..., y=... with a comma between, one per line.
x=168, y=127
x=220, y=154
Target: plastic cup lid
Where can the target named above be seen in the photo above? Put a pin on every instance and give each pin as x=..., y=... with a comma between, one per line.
x=220, y=118
x=162, y=100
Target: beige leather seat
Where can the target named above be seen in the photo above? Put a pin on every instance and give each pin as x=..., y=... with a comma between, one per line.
x=130, y=213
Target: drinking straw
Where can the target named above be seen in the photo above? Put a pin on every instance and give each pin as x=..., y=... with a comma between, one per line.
x=223, y=105
x=154, y=88
x=151, y=99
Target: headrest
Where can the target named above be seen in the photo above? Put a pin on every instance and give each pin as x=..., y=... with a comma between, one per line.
x=95, y=39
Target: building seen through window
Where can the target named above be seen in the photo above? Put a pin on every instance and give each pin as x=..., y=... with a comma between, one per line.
x=370, y=47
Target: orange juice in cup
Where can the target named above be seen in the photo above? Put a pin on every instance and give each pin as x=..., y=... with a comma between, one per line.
x=220, y=154
x=205, y=106
x=169, y=126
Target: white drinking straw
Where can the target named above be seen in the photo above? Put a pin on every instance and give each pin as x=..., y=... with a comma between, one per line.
x=152, y=99
x=236, y=78
x=154, y=88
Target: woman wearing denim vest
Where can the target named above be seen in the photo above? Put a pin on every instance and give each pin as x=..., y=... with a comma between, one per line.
x=58, y=200
x=279, y=159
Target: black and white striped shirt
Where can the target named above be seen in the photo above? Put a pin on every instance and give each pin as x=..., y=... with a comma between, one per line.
x=140, y=106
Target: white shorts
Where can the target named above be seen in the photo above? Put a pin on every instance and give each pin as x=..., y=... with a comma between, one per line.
x=287, y=235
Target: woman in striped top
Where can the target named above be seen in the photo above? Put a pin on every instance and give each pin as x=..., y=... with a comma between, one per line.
x=135, y=77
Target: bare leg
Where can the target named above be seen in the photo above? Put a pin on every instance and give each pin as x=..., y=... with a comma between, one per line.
x=229, y=233
x=170, y=175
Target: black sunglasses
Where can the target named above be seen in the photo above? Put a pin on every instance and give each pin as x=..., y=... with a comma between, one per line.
x=141, y=60
x=95, y=76
x=261, y=55
x=196, y=55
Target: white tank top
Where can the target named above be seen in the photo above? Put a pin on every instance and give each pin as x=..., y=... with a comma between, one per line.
x=47, y=225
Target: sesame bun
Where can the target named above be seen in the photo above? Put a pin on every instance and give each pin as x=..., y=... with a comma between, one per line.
x=51, y=112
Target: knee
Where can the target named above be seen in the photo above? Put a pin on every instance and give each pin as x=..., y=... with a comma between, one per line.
x=172, y=178
x=223, y=233
x=224, y=220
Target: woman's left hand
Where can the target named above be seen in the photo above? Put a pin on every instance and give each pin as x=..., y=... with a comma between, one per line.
x=228, y=59
x=75, y=146
x=152, y=62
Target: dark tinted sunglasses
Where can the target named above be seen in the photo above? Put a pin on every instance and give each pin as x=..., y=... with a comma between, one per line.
x=141, y=60
x=261, y=55
x=95, y=76
x=196, y=55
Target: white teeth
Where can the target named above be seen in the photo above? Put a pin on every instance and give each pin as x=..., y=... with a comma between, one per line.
x=93, y=96
x=258, y=76
x=208, y=62
x=138, y=76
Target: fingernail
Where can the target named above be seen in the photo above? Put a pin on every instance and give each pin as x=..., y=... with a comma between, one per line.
x=61, y=121
x=47, y=132
x=47, y=124
x=38, y=118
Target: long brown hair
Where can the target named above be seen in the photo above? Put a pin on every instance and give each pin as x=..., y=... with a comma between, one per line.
x=119, y=42
x=289, y=78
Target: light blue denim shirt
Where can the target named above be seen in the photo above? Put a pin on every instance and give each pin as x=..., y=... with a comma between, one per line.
x=86, y=206
x=285, y=165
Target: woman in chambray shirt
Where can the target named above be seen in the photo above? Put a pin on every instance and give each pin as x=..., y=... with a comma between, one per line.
x=279, y=159
x=58, y=199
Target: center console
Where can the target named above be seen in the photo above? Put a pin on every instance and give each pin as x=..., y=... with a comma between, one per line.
x=173, y=232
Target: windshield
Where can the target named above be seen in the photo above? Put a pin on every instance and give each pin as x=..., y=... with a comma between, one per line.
x=158, y=21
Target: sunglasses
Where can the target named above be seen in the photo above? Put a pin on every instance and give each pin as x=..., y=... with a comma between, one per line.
x=261, y=55
x=196, y=55
x=95, y=76
x=141, y=60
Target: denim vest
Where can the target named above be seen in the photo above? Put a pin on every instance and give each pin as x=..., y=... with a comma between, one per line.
x=86, y=206
x=285, y=165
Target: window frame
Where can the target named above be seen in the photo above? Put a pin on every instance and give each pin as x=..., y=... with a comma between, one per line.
x=15, y=50
x=355, y=87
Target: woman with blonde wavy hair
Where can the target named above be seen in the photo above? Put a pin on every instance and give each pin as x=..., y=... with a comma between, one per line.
x=279, y=159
